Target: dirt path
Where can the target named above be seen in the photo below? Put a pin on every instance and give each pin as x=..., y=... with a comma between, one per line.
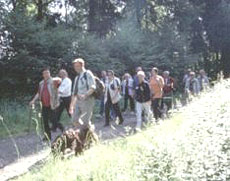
x=32, y=149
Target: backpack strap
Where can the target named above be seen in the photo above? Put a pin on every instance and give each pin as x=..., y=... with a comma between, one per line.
x=77, y=81
x=86, y=79
x=75, y=87
x=117, y=83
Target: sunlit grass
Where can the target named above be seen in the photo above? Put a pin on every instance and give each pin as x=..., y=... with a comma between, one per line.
x=116, y=160
x=21, y=119
x=192, y=145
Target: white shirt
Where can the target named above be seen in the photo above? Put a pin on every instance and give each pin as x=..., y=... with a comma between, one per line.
x=65, y=87
x=115, y=97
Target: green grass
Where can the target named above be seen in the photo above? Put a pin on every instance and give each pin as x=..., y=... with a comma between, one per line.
x=121, y=159
x=17, y=116
x=192, y=145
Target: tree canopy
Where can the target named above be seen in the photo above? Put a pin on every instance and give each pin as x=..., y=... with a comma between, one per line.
x=115, y=34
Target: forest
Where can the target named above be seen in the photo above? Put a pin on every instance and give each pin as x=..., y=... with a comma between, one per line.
x=117, y=34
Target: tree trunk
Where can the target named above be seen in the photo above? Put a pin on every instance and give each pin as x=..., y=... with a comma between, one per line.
x=40, y=10
x=92, y=16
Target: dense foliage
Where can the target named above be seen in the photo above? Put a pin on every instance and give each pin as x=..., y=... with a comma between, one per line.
x=113, y=34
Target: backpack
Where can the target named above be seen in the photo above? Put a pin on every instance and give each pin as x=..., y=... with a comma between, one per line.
x=74, y=140
x=100, y=87
x=112, y=86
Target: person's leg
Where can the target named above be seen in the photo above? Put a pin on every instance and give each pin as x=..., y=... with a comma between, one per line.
x=138, y=114
x=131, y=102
x=56, y=115
x=53, y=118
x=45, y=119
x=102, y=107
x=126, y=97
x=118, y=112
x=77, y=114
x=170, y=102
x=147, y=109
x=159, y=107
x=155, y=108
x=67, y=101
x=87, y=107
x=113, y=114
x=107, y=112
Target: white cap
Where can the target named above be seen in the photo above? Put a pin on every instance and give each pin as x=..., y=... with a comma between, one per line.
x=141, y=73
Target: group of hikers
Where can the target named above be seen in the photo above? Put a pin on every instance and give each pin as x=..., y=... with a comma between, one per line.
x=144, y=93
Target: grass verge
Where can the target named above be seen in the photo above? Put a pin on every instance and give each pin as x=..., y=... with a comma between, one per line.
x=193, y=145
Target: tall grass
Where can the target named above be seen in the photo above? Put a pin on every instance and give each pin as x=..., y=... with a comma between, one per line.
x=20, y=118
x=193, y=145
x=16, y=117
x=122, y=159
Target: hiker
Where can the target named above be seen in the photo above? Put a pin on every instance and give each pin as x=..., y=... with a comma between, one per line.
x=203, y=80
x=127, y=92
x=143, y=99
x=135, y=79
x=156, y=87
x=104, y=80
x=168, y=83
x=186, y=76
x=167, y=89
x=64, y=91
x=192, y=85
x=82, y=100
x=48, y=94
x=112, y=97
x=148, y=76
x=113, y=114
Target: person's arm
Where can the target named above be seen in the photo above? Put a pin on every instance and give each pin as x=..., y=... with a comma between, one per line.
x=172, y=83
x=187, y=85
x=72, y=104
x=34, y=99
x=117, y=88
x=74, y=97
x=62, y=87
x=148, y=92
x=162, y=83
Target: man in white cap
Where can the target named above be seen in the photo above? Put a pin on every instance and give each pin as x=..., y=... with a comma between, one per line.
x=82, y=99
x=143, y=99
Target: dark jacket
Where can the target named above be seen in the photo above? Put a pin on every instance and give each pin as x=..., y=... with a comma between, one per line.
x=142, y=92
